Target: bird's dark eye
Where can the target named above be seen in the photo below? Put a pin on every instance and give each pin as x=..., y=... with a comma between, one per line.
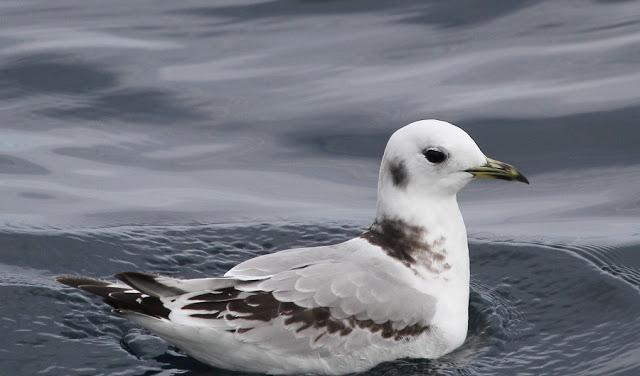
x=435, y=155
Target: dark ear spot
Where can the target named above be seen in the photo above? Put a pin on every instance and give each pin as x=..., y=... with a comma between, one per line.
x=398, y=173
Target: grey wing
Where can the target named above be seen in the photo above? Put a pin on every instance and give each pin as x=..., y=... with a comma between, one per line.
x=350, y=278
x=334, y=300
x=337, y=298
x=265, y=266
x=326, y=307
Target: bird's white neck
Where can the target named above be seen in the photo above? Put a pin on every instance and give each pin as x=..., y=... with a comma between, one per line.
x=437, y=252
x=431, y=212
x=434, y=230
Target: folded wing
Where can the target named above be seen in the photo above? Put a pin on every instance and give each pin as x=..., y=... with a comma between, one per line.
x=331, y=300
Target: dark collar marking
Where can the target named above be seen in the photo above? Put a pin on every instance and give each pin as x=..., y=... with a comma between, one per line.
x=406, y=243
x=398, y=239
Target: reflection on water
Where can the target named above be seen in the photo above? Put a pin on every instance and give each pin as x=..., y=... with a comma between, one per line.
x=164, y=116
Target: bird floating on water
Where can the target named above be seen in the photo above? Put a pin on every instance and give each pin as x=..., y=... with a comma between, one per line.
x=399, y=290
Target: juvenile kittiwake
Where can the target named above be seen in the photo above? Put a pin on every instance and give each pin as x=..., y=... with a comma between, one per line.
x=399, y=290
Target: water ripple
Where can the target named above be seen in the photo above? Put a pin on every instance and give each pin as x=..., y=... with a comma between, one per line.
x=532, y=305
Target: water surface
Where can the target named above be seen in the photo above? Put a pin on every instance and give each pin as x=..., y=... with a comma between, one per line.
x=184, y=137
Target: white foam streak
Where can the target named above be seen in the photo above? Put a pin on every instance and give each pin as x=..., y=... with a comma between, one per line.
x=29, y=40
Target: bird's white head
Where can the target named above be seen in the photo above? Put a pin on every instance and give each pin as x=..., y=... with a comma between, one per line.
x=434, y=159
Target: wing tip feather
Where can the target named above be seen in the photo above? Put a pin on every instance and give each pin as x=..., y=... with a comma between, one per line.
x=148, y=284
x=77, y=281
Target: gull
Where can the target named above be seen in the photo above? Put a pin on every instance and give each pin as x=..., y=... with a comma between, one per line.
x=399, y=290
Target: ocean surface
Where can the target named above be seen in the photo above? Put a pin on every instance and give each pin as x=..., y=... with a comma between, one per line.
x=182, y=137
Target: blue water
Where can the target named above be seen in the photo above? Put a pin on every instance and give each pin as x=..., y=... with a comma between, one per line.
x=184, y=137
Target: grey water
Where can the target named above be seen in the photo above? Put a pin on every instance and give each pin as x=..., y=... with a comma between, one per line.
x=181, y=138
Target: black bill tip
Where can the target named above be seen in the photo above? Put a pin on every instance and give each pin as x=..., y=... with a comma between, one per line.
x=497, y=170
x=522, y=178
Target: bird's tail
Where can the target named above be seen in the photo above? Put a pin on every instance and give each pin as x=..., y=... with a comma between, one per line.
x=141, y=294
x=145, y=294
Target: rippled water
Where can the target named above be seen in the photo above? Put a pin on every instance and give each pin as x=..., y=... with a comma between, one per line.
x=183, y=137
